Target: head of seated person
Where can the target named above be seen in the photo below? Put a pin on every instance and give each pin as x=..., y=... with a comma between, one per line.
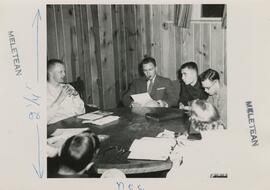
x=188, y=73
x=204, y=116
x=55, y=71
x=77, y=154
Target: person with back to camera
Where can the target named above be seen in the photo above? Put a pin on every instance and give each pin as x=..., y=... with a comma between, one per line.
x=203, y=155
x=76, y=156
x=217, y=91
x=190, y=85
x=159, y=88
x=63, y=100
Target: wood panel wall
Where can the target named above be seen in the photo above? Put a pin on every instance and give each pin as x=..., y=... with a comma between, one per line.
x=104, y=44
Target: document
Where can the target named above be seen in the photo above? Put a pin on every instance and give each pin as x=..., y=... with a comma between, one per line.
x=146, y=148
x=70, y=131
x=103, y=120
x=141, y=98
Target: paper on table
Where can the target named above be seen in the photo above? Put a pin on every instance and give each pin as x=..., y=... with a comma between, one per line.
x=141, y=98
x=146, y=148
x=90, y=116
x=103, y=120
x=71, y=131
x=61, y=135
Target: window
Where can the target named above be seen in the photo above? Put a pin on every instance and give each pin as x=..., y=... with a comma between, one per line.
x=212, y=10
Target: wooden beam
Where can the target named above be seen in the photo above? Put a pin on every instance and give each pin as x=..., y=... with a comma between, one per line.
x=69, y=29
x=107, y=56
x=95, y=18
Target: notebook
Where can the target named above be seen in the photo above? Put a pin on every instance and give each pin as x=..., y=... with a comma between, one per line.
x=165, y=114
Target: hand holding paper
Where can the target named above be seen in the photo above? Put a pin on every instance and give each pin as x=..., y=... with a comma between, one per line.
x=141, y=98
x=144, y=100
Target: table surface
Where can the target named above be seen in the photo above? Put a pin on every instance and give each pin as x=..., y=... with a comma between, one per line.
x=132, y=125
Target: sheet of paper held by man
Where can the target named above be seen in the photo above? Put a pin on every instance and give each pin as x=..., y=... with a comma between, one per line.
x=142, y=98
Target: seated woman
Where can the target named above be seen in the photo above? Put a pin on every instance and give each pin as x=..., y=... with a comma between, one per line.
x=76, y=155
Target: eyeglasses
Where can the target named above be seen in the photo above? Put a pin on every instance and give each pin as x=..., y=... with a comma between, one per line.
x=209, y=87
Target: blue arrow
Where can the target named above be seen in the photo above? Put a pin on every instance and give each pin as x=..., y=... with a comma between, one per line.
x=39, y=170
x=37, y=18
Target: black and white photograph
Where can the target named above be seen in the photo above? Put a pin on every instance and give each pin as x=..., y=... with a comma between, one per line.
x=132, y=90
x=134, y=95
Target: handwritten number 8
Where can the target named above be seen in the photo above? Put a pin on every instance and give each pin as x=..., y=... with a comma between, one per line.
x=34, y=115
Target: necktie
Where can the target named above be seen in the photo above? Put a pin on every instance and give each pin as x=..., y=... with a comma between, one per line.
x=150, y=87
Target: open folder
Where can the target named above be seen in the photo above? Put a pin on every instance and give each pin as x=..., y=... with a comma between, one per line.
x=151, y=148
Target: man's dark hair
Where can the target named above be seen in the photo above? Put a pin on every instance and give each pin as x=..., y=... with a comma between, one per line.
x=147, y=60
x=79, y=150
x=190, y=65
x=209, y=74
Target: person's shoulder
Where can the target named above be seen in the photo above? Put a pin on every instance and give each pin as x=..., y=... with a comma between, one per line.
x=164, y=79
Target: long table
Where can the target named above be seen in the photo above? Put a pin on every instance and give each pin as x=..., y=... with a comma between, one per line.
x=132, y=125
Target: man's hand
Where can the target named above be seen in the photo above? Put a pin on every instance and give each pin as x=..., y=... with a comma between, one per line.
x=70, y=91
x=67, y=90
x=162, y=103
x=183, y=107
x=135, y=105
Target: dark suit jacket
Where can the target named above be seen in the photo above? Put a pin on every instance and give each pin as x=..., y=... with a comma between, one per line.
x=189, y=93
x=163, y=89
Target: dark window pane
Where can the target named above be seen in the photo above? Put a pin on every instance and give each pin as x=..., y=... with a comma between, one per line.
x=213, y=10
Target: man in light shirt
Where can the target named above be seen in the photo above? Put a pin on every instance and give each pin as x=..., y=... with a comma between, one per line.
x=63, y=100
x=160, y=89
x=217, y=91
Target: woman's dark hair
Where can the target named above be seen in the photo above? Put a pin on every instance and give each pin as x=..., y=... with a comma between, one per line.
x=79, y=150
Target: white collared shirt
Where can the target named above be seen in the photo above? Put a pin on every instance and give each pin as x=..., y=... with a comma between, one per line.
x=71, y=106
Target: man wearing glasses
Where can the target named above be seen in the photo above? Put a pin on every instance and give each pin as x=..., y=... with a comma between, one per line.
x=217, y=91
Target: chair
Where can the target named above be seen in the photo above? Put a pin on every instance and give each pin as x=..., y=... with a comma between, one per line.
x=80, y=88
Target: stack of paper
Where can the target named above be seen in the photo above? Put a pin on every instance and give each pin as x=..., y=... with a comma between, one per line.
x=151, y=148
x=103, y=120
x=90, y=116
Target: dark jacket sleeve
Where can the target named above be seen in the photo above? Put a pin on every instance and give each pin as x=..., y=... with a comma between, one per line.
x=172, y=96
x=126, y=100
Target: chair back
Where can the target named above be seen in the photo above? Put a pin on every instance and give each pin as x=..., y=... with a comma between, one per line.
x=79, y=87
